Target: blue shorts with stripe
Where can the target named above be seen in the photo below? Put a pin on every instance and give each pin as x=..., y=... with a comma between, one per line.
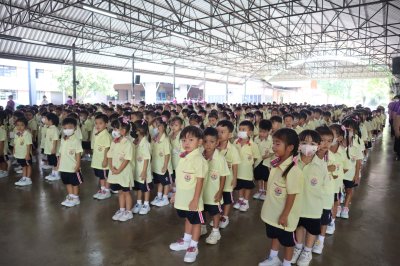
x=74, y=179
x=192, y=216
x=213, y=209
x=101, y=173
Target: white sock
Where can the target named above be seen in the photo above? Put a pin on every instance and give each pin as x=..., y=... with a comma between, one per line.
x=165, y=197
x=106, y=189
x=286, y=263
x=246, y=201
x=273, y=253
x=187, y=237
x=146, y=203
x=159, y=195
x=321, y=239
x=241, y=199
x=139, y=202
x=307, y=249
x=122, y=209
x=299, y=246
x=333, y=221
x=103, y=188
x=215, y=229
x=226, y=217
x=193, y=243
x=74, y=196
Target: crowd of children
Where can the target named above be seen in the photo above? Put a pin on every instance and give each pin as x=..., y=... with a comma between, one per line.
x=304, y=162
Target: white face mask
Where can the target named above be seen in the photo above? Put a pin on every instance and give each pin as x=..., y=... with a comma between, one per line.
x=242, y=134
x=68, y=132
x=334, y=142
x=43, y=120
x=155, y=131
x=308, y=149
x=115, y=134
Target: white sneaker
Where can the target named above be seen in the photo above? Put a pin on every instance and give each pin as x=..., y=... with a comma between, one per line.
x=213, y=238
x=127, y=215
x=137, y=208
x=191, y=254
x=145, y=209
x=263, y=195
x=17, y=168
x=114, y=191
x=3, y=174
x=345, y=213
x=330, y=230
x=296, y=255
x=71, y=202
x=257, y=195
x=117, y=215
x=339, y=211
x=179, y=245
x=104, y=194
x=244, y=206
x=47, y=167
x=203, y=230
x=95, y=196
x=54, y=177
x=275, y=261
x=163, y=202
x=170, y=194
x=318, y=247
x=67, y=198
x=223, y=223
x=237, y=204
x=19, y=171
x=305, y=258
x=24, y=181
x=155, y=201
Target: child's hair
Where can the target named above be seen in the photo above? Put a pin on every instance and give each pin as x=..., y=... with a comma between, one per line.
x=226, y=123
x=287, y=115
x=138, y=114
x=84, y=112
x=249, y=116
x=248, y=124
x=213, y=115
x=350, y=122
x=324, y=131
x=265, y=125
x=69, y=121
x=53, y=118
x=289, y=137
x=310, y=133
x=258, y=113
x=122, y=122
x=73, y=115
x=338, y=129
x=210, y=131
x=142, y=127
x=176, y=119
x=102, y=117
x=160, y=122
x=22, y=120
x=192, y=131
x=276, y=118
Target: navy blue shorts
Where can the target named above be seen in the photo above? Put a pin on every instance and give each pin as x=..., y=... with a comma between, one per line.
x=287, y=239
x=326, y=217
x=144, y=187
x=4, y=159
x=86, y=145
x=193, y=217
x=52, y=159
x=24, y=162
x=212, y=209
x=337, y=196
x=228, y=198
x=74, y=179
x=173, y=176
x=164, y=180
x=349, y=184
x=118, y=187
x=244, y=184
x=101, y=173
x=313, y=226
x=261, y=172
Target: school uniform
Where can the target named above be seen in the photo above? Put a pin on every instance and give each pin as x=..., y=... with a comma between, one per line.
x=143, y=152
x=42, y=132
x=261, y=167
x=355, y=153
x=364, y=135
x=191, y=167
x=232, y=157
x=299, y=129
x=249, y=153
x=218, y=167
x=328, y=192
x=21, y=141
x=314, y=174
x=33, y=126
x=4, y=139
x=161, y=147
x=69, y=148
x=52, y=134
x=86, y=128
x=256, y=130
x=120, y=151
x=337, y=159
x=176, y=150
x=101, y=142
x=278, y=188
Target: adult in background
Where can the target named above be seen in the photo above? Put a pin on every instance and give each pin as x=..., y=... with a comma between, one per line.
x=10, y=104
x=44, y=101
x=396, y=127
x=70, y=101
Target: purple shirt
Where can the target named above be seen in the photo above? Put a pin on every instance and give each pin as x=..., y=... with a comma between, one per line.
x=10, y=105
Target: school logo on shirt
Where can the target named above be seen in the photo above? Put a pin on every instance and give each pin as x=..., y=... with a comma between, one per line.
x=214, y=175
x=161, y=154
x=100, y=149
x=249, y=157
x=353, y=159
x=278, y=191
x=71, y=152
x=187, y=177
x=139, y=159
x=22, y=142
x=122, y=157
x=314, y=181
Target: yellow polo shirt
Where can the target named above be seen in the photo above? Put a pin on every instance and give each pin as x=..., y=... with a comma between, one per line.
x=43, y=130
x=355, y=153
x=120, y=152
x=3, y=137
x=143, y=152
x=101, y=142
x=232, y=157
x=33, y=125
x=264, y=146
x=68, y=149
x=158, y=152
x=176, y=150
x=21, y=143
x=217, y=167
x=278, y=189
x=248, y=154
x=86, y=129
x=52, y=134
x=299, y=129
x=314, y=174
x=364, y=132
x=189, y=169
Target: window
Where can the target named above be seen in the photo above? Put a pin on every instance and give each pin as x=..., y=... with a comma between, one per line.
x=216, y=98
x=142, y=94
x=5, y=93
x=8, y=71
x=161, y=96
x=39, y=73
x=252, y=98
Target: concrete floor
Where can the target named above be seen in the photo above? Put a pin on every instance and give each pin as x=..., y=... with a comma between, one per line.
x=36, y=230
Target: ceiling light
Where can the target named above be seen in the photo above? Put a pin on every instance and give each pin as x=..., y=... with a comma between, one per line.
x=34, y=42
x=100, y=11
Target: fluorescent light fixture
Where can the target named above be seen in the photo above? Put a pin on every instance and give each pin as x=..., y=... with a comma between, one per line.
x=99, y=11
x=107, y=53
x=180, y=35
x=34, y=42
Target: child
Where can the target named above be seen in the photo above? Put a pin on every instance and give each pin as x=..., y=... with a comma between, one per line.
x=86, y=129
x=215, y=181
x=212, y=119
x=276, y=123
x=315, y=173
x=225, y=130
x=69, y=162
x=121, y=176
x=101, y=145
x=33, y=127
x=288, y=119
x=3, y=146
x=263, y=164
x=282, y=206
x=176, y=125
x=258, y=116
x=160, y=163
x=23, y=151
x=249, y=154
x=50, y=146
x=143, y=178
x=190, y=174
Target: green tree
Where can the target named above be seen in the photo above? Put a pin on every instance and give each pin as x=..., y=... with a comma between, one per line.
x=90, y=81
x=338, y=88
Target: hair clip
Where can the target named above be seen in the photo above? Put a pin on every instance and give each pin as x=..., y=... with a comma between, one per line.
x=143, y=121
x=125, y=120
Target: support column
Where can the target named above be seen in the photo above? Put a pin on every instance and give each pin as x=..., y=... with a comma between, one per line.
x=227, y=89
x=174, y=84
x=150, y=89
x=133, y=81
x=74, y=82
x=204, y=88
x=32, y=84
x=245, y=91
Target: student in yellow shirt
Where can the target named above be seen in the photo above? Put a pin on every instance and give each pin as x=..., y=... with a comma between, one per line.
x=143, y=177
x=282, y=206
x=121, y=175
x=190, y=174
x=69, y=162
x=101, y=145
x=214, y=183
x=23, y=151
x=32, y=126
x=212, y=119
x=276, y=123
x=3, y=147
x=176, y=125
x=86, y=129
x=258, y=116
x=288, y=120
x=51, y=142
x=249, y=154
x=263, y=164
